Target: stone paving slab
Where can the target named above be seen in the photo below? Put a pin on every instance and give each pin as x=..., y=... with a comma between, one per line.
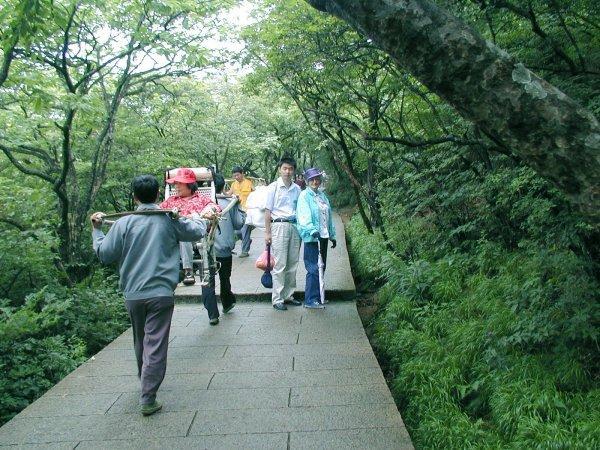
x=72, y=404
x=215, y=351
x=195, y=365
x=359, y=439
x=246, y=280
x=324, y=362
x=93, y=427
x=343, y=377
x=340, y=395
x=295, y=419
x=44, y=446
x=323, y=328
x=129, y=383
x=266, y=441
x=298, y=349
x=331, y=336
x=260, y=379
x=215, y=399
x=191, y=340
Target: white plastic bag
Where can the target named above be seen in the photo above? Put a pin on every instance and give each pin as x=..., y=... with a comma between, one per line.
x=255, y=207
x=255, y=217
x=257, y=198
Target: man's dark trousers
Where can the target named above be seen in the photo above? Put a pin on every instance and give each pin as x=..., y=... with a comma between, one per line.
x=151, y=322
x=227, y=297
x=209, y=297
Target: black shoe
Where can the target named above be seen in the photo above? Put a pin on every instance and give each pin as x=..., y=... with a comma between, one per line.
x=214, y=321
x=280, y=307
x=292, y=301
x=226, y=309
x=189, y=278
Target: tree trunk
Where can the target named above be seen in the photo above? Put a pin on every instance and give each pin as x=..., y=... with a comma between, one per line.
x=553, y=134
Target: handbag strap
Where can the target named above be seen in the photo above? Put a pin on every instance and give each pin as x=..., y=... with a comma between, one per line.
x=268, y=257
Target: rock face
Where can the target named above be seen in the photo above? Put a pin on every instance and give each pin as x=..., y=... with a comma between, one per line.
x=514, y=107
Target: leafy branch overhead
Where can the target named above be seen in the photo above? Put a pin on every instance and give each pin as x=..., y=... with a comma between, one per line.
x=553, y=134
x=68, y=68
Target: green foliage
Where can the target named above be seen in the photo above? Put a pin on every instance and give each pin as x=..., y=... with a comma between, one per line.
x=27, y=243
x=31, y=366
x=231, y=126
x=50, y=335
x=72, y=66
x=491, y=348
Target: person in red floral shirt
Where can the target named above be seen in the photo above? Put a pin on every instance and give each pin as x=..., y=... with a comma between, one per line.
x=189, y=201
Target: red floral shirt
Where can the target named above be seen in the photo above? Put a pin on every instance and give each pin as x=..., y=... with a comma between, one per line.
x=195, y=203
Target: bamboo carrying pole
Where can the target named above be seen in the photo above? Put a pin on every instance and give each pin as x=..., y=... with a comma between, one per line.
x=143, y=212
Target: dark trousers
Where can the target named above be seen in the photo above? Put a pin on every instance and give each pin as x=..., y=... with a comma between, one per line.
x=227, y=297
x=151, y=322
x=209, y=297
x=311, y=263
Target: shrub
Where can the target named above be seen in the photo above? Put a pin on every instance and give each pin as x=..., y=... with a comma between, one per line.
x=487, y=347
x=32, y=366
x=50, y=335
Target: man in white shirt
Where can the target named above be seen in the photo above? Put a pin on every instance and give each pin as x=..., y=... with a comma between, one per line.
x=282, y=235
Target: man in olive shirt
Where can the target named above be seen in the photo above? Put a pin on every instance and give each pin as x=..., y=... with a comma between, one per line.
x=241, y=188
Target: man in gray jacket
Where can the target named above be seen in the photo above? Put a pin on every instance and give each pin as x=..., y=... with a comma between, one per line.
x=224, y=244
x=147, y=250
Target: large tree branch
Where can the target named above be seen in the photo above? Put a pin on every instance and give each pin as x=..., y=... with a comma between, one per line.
x=14, y=223
x=411, y=142
x=36, y=152
x=26, y=170
x=7, y=58
x=529, y=14
x=66, y=149
x=64, y=65
x=550, y=132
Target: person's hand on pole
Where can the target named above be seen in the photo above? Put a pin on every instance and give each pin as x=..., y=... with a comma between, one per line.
x=333, y=243
x=315, y=235
x=195, y=217
x=96, y=219
x=209, y=212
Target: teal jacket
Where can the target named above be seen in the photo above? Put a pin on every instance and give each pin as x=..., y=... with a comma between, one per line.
x=307, y=215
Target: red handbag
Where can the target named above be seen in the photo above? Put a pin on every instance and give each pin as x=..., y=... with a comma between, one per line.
x=265, y=261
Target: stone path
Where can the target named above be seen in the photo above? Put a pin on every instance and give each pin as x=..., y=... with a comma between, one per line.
x=261, y=379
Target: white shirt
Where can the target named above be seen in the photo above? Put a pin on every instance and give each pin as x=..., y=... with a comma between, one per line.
x=323, y=216
x=281, y=200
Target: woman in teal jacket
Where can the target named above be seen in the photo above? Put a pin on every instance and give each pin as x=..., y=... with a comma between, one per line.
x=315, y=225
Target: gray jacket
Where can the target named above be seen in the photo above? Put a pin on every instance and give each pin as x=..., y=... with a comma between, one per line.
x=225, y=235
x=147, y=249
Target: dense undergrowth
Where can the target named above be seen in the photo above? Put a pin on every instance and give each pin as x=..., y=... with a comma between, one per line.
x=489, y=332
x=54, y=331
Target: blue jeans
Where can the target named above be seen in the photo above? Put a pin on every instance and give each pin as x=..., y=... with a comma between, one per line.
x=246, y=241
x=311, y=262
